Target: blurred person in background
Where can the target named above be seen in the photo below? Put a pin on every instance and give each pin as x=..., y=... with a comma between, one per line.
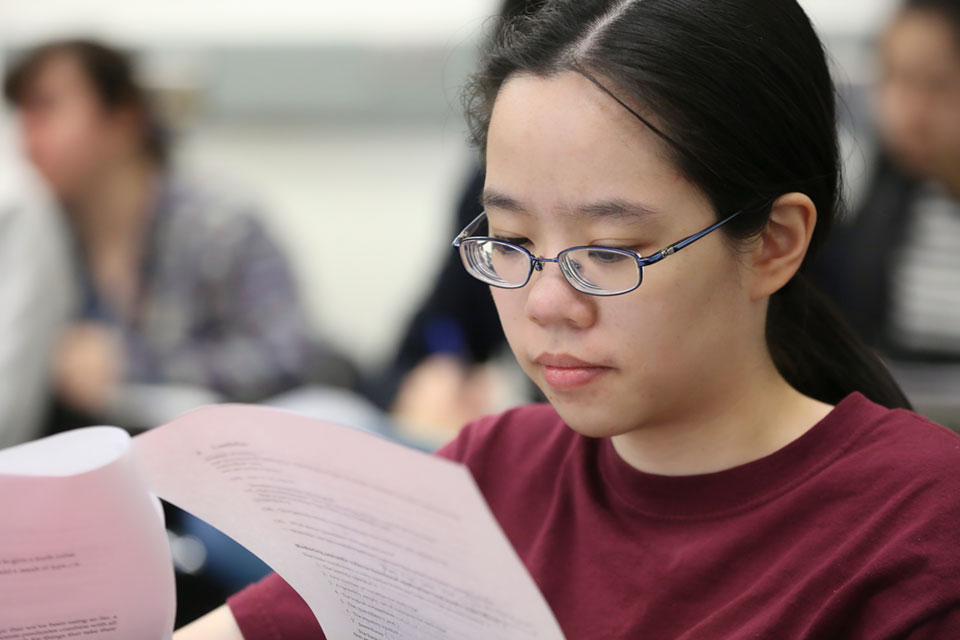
x=894, y=267
x=181, y=282
x=35, y=295
x=185, y=298
x=440, y=378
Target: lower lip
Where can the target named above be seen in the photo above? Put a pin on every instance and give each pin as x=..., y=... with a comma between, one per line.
x=572, y=377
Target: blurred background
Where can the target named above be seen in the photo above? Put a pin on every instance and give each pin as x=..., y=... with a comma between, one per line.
x=343, y=117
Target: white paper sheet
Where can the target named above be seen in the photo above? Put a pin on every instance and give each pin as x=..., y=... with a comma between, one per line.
x=83, y=550
x=382, y=542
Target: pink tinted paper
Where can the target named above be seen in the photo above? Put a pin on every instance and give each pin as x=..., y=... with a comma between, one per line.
x=381, y=541
x=83, y=549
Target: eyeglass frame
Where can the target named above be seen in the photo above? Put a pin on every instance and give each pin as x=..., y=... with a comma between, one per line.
x=536, y=264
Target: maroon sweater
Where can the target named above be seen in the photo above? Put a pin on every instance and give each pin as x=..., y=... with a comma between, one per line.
x=851, y=532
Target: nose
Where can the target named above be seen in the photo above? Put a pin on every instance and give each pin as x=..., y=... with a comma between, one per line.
x=552, y=301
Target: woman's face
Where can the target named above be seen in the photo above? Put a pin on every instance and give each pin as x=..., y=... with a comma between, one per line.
x=68, y=134
x=568, y=166
x=918, y=96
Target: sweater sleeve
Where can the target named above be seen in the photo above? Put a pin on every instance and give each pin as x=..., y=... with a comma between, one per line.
x=272, y=610
x=941, y=627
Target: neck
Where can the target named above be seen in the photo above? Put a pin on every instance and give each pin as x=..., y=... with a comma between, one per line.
x=112, y=210
x=753, y=416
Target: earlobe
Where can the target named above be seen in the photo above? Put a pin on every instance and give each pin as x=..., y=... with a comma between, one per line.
x=783, y=244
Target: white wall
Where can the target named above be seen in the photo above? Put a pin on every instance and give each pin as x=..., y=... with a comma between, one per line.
x=410, y=21
x=246, y=21
x=848, y=17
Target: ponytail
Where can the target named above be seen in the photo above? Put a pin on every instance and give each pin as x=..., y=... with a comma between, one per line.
x=818, y=353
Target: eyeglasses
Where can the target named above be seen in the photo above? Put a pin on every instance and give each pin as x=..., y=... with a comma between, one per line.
x=597, y=271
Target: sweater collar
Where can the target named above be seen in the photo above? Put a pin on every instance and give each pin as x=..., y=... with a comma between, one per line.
x=740, y=488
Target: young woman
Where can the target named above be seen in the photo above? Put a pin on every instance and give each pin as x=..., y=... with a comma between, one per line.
x=718, y=459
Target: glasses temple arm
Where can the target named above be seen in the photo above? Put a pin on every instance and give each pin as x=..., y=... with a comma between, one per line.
x=469, y=229
x=686, y=242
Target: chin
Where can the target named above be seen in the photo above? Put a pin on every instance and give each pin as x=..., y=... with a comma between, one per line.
x=592, y=419
x=591, y=411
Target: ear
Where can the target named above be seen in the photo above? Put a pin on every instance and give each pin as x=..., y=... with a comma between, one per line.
x=783, y=244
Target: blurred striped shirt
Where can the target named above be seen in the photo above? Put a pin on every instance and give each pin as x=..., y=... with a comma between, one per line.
x=926, y=278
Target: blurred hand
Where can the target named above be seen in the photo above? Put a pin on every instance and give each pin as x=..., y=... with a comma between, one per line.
x=441, y=395
x=217, y=625
x=87, y=367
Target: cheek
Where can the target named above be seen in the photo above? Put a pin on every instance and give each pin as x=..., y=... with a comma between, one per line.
x=642, y=324
x=681, y=317
x=66, y=140
x=511, y=306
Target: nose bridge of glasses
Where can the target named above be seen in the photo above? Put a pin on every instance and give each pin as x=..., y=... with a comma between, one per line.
x=539, y=262
x=567, y=271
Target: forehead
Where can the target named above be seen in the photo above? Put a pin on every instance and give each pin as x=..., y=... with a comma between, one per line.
x=561, y=139
x=57, y=72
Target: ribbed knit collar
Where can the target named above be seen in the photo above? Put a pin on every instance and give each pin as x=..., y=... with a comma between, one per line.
x=723, y=493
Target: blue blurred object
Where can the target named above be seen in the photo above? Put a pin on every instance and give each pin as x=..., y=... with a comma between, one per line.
x=443, y=335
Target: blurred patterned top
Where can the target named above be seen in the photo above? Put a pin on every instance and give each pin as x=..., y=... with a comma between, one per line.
x=217, y=305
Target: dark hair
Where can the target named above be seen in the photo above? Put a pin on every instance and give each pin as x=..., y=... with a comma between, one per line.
x=111, y=75
x=511, y=9
x=741, y=92
x=947, y=9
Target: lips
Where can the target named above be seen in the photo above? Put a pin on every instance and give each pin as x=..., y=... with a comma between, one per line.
x=565, y=372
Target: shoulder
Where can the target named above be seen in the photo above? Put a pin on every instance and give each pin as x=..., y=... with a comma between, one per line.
x=901, y=468
x=528, y=436
x=210, y=221
x=907, y=445
x=894, y=498
x=208, y=204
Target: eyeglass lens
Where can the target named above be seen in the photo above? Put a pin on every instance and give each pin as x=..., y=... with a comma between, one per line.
x=590, y=270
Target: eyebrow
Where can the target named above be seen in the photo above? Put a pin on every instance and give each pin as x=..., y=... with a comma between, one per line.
x=602, y=209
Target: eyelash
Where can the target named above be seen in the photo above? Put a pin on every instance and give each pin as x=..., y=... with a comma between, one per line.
x=522, y=241
x=517, y=241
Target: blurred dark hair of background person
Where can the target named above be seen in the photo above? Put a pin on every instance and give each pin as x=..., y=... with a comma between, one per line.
x=894, y=266
x=182, y=285
x=439, y=379
x=79, y=100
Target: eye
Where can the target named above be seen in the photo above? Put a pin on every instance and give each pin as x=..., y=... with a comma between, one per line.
x=519, y=241
x=601, y=256
x=505, y=250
